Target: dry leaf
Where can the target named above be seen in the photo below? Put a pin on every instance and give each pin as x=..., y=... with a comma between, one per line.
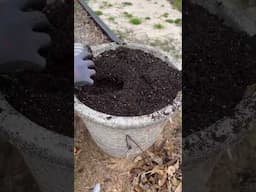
x=76, y=151
x=157, y=160
x=179, y=188
x=158, y=169
x=162, y=181
x=171, y=170
x=137, y=159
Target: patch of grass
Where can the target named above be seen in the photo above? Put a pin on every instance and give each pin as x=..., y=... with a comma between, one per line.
x=158, y=26
x=170, y=21
x=111, y=18
x=127, y=3
x=99, y=13
x=76, y=6
x=176, y=4
x=135, y=21
x=106, y=4
x=147, y=18
x=165, y=15
x=121, y=34
x=165, y=45
x=128, y=15
x=178, y=21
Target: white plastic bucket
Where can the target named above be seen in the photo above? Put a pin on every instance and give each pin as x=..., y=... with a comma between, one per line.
x=48, y=155
x=123, y=136
x=202, y=150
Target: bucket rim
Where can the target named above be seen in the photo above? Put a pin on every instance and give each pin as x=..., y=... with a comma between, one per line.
x=44, y=143
x=129, y=122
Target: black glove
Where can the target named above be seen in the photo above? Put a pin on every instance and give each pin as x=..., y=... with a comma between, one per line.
x=82, y=64
x=19, y=43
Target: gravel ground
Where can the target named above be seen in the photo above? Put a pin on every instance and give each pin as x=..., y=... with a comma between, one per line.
x=155, y=23
x=86, y=32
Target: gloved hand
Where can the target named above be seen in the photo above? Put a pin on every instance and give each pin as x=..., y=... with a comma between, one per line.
x=19, y=43
x=82, y=64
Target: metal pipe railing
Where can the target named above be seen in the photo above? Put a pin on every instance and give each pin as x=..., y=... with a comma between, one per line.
x=106, y=30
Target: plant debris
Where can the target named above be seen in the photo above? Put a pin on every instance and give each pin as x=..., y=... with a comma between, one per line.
x=158, y=170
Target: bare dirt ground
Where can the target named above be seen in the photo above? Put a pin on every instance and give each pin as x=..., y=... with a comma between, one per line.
x=157, y=169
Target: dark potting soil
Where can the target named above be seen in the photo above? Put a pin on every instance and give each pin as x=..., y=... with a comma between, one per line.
x=130, y=83
x=47, y=98
x=218, y=64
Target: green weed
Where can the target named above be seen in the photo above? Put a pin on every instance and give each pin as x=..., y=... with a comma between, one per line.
x=99, y=13
x=111, y=18
x=178, y=21
x=158, y=26
x=128, y=15
x=127, y=3
x=176, y=4
x=169, y=21
x=135, y=21
x=165, y=15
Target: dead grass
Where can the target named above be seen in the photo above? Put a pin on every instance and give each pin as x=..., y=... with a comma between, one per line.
x=156, y=169
x=177, y=4
x=92, y=166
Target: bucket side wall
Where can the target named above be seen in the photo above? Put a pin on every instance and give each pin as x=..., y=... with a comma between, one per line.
x=123, y=142
x=51, y=177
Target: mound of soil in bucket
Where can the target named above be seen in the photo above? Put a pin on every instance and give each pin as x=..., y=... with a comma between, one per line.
x=218, y=64
x=130, y=83
x=47, y=98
